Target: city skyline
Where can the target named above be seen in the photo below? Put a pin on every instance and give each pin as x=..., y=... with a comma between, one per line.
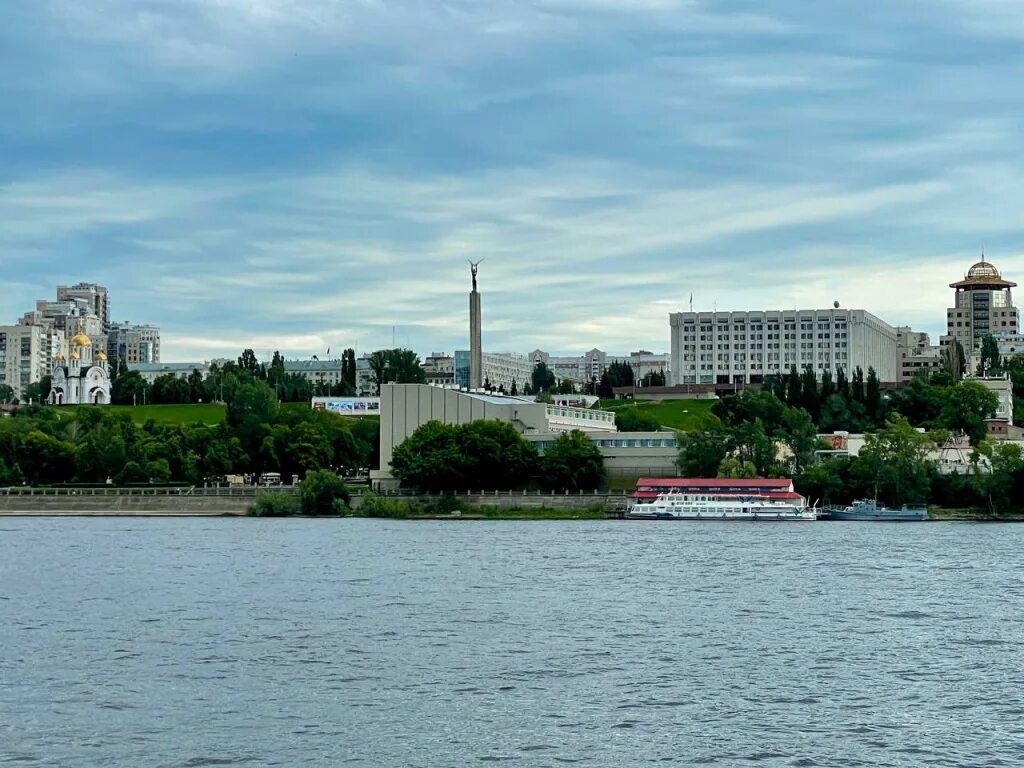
x=253, y=175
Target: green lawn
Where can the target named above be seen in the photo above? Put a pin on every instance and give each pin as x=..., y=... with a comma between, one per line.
x=685, y=415
x=205, y=413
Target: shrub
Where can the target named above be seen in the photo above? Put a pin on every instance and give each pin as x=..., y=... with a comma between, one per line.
x=446, y=504
x=323, y=493
x=383, y=506
x=275, y=505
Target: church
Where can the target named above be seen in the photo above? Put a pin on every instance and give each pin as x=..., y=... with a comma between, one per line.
x=82, y=380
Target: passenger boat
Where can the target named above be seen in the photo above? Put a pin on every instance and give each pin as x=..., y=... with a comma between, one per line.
x=871, y=510
x=695, y=506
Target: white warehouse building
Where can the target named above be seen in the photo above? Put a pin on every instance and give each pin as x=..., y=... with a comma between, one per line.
x=747, y=347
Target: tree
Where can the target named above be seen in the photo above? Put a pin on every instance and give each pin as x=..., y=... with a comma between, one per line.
x=653, y=379
x=37, y=392
x=397, y=366
x=542, y=379
x=857, y=385
x=842, y=384
x=989, y=359
x=480, y=454
x=954, y=361
x=253, y=403
x=618, y=374
x=6, y=393
x=247, y=362
x=1004, y=476
x=130, y=389
x=323, y=493
x=967, y=405
x=794, y=388
x=572, y=463
x=895, y=459
x=733, y=467
x=801, y=436
x=809, y=393
x=873, y=396
x=701, y=451
x=45, y=459
x=631, y=420
x=515, y=388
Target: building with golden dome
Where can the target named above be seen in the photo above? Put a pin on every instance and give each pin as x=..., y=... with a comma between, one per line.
x=982, y=305
x=83, y=379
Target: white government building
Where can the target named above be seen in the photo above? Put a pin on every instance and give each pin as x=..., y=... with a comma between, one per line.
x=747, y=347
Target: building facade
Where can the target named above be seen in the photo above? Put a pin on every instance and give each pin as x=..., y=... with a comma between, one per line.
x=133, y=343
x=439, y=368
x=27, y=354
x=150, y=372
x=747, y=347
x=917, y=355
x=982, y=305
x=500, y=370
x=82, y=378
x=592, y=365
x=320, y=373
x=96, y=296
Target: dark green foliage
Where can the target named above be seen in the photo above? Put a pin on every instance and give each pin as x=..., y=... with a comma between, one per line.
x=989, y=359
x=373, y=505
x=653, y=379
x=397, y=366
x=481, y=454
x=323, y=493
x=542, y=379
x=631, y=420
x=618, y=374
x=967, y=404
x=275, y=505
x=572, y=463
x=701, y=451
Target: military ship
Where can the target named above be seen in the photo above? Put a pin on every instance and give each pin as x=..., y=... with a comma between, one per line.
x=871, y=510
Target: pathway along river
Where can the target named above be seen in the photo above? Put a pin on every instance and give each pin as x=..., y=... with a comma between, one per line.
x=192, y=642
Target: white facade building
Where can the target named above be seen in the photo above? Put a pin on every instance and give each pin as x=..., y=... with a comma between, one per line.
x=592, y=365
x=81, y=379
x=500, y=370
x=747, y=347
x=27, y=354
x=324, y=373
x=439, y=368
x=150, y=372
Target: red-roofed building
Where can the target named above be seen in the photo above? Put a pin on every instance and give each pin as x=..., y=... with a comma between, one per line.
x=776, y=488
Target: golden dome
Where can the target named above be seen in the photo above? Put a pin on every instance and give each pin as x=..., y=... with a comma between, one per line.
x=982, y=270
x=60, y=357
x=101, y=355
x=81, y=340
x=74, y=355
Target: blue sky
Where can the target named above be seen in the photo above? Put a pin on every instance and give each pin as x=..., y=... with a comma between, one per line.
x=298, y=174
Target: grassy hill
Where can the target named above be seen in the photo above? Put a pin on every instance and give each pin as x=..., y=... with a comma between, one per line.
x=683, y=415
x=204, y=413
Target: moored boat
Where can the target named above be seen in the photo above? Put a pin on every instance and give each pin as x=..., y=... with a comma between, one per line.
x=871, y=510
x=690, y=506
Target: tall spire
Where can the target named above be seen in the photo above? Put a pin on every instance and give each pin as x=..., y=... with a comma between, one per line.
x=475, y=353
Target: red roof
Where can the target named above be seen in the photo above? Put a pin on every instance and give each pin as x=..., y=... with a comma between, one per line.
x=777, y=495
x=714, y=482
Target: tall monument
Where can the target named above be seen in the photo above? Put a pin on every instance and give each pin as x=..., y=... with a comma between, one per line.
x=476, y=361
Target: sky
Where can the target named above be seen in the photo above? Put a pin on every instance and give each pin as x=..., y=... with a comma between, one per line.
x=299, y=175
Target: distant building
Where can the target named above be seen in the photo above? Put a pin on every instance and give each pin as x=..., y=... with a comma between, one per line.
x=917, y=355
x=150, y=372
x=96, y=296
x=439, y=368
x=81, y=379
x=500, y=370
x=592, y=365
x=27, y=354
x=366, y=385
x=133, y=343
x=323, y=373
x=982, y=305
x=405, y=407
x=747, y=347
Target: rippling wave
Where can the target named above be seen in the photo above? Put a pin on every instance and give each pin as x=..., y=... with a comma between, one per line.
x=352, y=642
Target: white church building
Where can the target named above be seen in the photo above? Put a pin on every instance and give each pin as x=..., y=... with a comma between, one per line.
x=82, y=380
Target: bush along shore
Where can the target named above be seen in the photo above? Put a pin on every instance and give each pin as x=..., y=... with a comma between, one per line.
x=320, y=496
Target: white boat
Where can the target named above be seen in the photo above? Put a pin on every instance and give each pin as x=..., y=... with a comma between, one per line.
x=695, y=506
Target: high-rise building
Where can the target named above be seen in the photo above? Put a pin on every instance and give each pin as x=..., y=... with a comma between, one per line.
x=96, y=296
x=747, y=347
x=133, y=343
x=982, y=305
x=27, y=354
x=499, y=370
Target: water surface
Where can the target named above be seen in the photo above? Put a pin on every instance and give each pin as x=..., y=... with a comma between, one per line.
x=191, y=642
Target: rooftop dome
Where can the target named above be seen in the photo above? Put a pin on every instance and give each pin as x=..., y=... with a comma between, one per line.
x=101, y=355
x=982, y=270
x=81, y=340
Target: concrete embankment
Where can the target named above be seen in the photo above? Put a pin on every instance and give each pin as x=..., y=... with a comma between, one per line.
x=175, y=505
x=123, y=506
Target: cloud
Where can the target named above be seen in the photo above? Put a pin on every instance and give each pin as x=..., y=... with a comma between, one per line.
x=298, y=175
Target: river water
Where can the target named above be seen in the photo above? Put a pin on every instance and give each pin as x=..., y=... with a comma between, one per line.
x=192, y=642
